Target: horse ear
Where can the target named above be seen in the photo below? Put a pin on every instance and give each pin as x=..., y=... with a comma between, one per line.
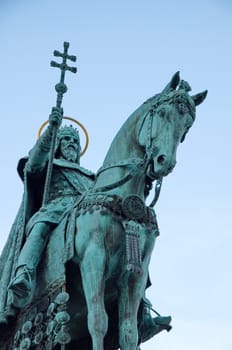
x=199, y=98
x=173, y=83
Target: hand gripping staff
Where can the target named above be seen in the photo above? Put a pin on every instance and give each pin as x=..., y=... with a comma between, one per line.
x=60, y=88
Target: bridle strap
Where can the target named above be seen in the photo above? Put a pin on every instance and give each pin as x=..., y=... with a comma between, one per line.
x=135, y=164
x=139, y=164
x=121, y=163
x=157, y=192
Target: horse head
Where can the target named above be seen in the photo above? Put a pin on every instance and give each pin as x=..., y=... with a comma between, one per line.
x=145, y=147
x=169, y=116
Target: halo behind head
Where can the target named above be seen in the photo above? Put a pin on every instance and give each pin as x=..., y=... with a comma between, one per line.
x=76, y=122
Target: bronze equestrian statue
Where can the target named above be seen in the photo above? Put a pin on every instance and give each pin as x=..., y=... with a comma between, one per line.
x=75, y=269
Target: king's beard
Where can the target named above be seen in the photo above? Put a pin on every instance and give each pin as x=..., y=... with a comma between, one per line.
x=69, y=153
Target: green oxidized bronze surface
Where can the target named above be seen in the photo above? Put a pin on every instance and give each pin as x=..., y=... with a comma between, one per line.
x=86, y=249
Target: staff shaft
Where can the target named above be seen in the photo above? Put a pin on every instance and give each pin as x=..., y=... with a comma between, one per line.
x=61, y=88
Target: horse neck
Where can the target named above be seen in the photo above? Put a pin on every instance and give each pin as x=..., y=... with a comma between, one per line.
x=124, y=150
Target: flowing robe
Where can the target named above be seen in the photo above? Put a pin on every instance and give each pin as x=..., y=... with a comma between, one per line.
x=69, y=182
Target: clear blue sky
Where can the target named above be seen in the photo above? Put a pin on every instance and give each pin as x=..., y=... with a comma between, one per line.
x=127, y=51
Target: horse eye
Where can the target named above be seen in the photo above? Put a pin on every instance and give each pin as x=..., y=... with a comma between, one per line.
x=182, y=108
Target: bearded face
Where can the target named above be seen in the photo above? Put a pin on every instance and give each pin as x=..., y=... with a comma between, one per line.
x=70, y=148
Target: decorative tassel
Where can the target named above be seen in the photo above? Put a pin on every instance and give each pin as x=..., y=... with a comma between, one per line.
x=133, y=254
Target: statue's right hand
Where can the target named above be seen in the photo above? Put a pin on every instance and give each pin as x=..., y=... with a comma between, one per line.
x=55, y=118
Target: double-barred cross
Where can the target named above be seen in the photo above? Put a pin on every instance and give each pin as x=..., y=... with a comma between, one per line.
x=61, y=88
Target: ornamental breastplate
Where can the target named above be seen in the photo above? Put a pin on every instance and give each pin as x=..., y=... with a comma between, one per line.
x=67, y=182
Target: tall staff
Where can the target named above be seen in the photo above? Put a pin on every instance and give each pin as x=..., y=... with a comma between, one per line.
x=61, y=89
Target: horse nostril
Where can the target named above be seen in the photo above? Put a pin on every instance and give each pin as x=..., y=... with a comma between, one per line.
x=161, y=159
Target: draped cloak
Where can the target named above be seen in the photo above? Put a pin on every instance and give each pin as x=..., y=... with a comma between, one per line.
x=79, y=179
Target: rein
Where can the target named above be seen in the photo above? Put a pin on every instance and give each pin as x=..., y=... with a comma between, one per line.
x=134, y=164
x=138, y=163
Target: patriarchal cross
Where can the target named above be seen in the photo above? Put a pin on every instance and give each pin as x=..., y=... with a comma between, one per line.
x=61, y=88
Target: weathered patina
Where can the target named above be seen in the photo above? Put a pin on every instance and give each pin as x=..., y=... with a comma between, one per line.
x=75, y=267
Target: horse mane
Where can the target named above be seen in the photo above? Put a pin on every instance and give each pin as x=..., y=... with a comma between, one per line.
x=136, y=118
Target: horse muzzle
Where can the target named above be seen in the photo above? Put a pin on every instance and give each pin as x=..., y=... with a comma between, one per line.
x=160, y=166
